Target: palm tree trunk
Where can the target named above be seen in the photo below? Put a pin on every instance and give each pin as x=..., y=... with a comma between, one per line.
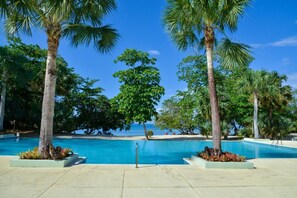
x=256, y=130
x=145, y=131
x=215, y=116
x=2, y=105
x=48, y=104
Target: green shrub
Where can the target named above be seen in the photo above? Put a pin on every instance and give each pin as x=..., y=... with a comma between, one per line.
x=246, y=132
x=150, y=133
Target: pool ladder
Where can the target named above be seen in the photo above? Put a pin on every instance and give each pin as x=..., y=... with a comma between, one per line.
x=136, y=155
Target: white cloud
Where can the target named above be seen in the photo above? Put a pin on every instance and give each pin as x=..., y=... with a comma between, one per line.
x=154, y=52
x=292, y=80
x=286, y=61
x=257, y=45
x=290, y=41
x=286, y=42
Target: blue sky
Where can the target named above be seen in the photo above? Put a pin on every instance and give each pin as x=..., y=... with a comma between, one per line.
x=269, y=27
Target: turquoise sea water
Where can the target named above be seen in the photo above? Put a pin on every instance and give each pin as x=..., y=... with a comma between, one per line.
x=137, y=130
x=150, y=152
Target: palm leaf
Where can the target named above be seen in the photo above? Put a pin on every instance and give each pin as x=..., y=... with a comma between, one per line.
x=229, y=12
x=180, y=22
x=84, y=11
x=234, y=54
x=104, y=37
x=4, y=11
x=17, y=23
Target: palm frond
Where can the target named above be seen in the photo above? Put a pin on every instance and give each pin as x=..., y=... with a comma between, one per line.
x=185, y=20
x=229, y=12
x=233, y=54
x=18, y=15
x=180, y=21
x=84, y=11
x=16, y=23
x=104, y=37
x=4, y=11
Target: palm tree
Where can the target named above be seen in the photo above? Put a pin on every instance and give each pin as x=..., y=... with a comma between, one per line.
x=194, y=23
x=77, y=20
x=274, y=101
x=265, y=88
x=255, y=83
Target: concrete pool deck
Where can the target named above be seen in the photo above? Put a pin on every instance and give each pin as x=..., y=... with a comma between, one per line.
x=271, y=178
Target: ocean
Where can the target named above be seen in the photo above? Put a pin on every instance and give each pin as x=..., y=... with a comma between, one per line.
x=137, y=130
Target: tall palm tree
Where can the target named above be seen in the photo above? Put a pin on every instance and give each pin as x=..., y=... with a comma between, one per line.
x=77, y=20
x=274, y=101
x=255, y=83
x=194, y=23
x=265, y=88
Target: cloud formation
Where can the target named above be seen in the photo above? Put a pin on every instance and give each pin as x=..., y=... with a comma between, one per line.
x=257, y=45
x=286, y=61
x=290, y=41
x=286, y=42
x=154, y=52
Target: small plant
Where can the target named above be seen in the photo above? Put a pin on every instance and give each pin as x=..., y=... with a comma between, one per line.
x=55, y=153
x=211, y=154
x=150, y=133
x=34, y=154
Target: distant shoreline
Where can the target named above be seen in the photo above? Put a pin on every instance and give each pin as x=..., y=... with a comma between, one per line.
x=155, y=137
x=139, y=137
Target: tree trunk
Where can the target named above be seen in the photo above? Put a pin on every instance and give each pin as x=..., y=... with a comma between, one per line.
x=215, y=116
x=48, y=104
x=256, y=130
x=145, y=131
x=2, y=105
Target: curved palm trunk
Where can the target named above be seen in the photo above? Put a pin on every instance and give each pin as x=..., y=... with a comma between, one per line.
x=48, y=104
x=145, y=131
x=215, y=116
x=2, y=105
x=256, y=130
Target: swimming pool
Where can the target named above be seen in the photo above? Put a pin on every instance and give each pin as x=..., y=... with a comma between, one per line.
x=150, y=152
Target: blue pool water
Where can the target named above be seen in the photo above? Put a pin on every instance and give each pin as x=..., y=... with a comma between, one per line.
x=135, y=130
x=150, y=152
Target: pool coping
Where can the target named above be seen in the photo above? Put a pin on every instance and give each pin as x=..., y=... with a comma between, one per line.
x=271, y=142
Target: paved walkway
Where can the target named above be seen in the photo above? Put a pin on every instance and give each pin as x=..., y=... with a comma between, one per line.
x=271, y=178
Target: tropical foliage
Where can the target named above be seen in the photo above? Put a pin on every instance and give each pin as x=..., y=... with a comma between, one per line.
x=223, y=96
x=140, y=91
x=196, y=23
x=178, y=113
x=80, y=22
x=79, y=105
x=189, y=110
